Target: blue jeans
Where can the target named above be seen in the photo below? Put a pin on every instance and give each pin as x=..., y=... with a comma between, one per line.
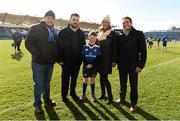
x=41, y=76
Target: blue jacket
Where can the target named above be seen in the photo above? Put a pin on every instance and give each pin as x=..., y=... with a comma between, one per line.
x=164, y=39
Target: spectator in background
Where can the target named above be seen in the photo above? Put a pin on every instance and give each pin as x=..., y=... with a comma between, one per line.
x=158, y=41
x=164, y=43
x=151, y=40
x=17, y=38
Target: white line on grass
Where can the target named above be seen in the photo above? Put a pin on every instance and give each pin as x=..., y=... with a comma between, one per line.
x=21, y=105
x=30, y=103
x=161, y=64
x=155, y=66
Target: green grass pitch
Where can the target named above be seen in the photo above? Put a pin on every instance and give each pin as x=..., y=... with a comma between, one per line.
x=159, y=90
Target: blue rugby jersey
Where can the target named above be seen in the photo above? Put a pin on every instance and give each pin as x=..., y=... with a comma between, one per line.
x=164, y=39
x=90, y=54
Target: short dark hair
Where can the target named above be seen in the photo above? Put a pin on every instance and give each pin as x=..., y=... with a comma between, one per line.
x=74, y=14
x=127, y=17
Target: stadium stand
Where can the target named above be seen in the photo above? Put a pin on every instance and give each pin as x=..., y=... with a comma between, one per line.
x=9, y=23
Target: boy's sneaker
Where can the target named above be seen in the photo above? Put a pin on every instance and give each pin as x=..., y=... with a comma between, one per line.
x=39, y=110
x=93, y=98
x=82, y=98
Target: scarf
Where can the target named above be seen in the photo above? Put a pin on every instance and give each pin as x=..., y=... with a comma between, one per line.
x=103, y=35
x=52, y=35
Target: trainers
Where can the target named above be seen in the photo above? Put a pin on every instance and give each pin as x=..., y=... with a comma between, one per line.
x=82, y=98
x=93, y=98
x=39, y=110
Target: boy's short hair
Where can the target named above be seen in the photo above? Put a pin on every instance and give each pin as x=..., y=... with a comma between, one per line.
x=93, y=33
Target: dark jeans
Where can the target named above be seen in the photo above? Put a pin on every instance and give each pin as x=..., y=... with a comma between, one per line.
x=41, y=76
x=17, y=45
x=69, y=74
x=104, y=83
x=133, y=78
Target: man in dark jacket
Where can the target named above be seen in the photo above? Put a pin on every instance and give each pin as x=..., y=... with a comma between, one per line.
x=131, y=52
x=70, y=43
x=41, y=43
x=17, y=37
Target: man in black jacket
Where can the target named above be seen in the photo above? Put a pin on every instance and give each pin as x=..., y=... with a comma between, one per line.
x=17, y=37
x=131, y=52
x=41, y=43
x=70, y=42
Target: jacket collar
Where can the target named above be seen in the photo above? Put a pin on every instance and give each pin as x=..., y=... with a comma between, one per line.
x=43, y=24
x=70, y=28
x=130, y=32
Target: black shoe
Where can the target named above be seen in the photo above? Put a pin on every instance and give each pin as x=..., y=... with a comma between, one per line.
x=65, y=99
x=109, y=102
x=120, y=101
x=39, y=110
x=50, y=103
x=101, y=97
x=75, y=97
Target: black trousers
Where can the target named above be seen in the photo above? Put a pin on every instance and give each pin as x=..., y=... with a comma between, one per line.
x=17, y=45
x=69, y=75
x=133, y=79
x=104, y=83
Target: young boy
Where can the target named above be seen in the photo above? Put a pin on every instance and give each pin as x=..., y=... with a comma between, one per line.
x=91, y=54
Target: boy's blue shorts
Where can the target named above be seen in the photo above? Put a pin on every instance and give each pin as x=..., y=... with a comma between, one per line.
x=89, y=72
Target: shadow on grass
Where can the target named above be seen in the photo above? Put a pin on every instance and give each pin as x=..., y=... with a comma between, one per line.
x=99, y=111
x=17, y=56
x=75, y=111
x=39, y=117
x=51, y=113
x=108, y=111
x=91, y=114
x=125, y=113
x=143, y=113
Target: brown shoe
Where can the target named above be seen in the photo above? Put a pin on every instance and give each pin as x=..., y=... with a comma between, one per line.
x=133, y=108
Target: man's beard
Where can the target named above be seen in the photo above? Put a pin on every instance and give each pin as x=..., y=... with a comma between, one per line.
x=74, y=26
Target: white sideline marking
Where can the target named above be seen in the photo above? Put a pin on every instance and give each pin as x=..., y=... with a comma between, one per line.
x=22, y=105
x=161, y=64
x=155, y=66
x=146, y=69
